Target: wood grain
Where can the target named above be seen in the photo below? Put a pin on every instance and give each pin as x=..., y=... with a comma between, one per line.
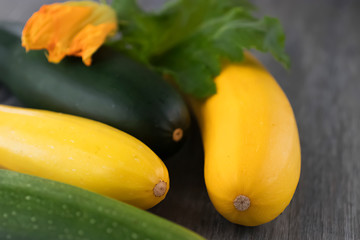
x=323, y=86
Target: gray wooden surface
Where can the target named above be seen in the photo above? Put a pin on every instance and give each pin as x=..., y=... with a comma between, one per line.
x=323, y=85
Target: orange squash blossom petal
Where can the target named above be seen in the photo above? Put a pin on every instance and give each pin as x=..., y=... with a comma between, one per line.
x=69, y=29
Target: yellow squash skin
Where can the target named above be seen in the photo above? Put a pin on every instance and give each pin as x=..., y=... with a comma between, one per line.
x=251, y=145
x=81, y=152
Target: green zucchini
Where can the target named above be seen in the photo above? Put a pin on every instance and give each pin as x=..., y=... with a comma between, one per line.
x=37, y=208
x=115, y=90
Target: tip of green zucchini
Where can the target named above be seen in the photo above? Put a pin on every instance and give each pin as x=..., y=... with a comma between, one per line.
x=178, y=134
x=160, y=189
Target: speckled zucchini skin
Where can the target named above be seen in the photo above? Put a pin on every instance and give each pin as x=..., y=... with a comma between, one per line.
x=33, y=208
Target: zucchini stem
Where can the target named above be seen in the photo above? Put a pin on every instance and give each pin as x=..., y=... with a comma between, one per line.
x=178, y=134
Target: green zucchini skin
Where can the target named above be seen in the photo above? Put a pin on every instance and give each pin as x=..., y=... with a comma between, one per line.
x=114, y=90
x=37, y=208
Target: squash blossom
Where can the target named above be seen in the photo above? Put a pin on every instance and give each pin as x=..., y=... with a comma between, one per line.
x=70, y=28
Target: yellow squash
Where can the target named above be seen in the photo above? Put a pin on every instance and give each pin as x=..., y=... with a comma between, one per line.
x=81, y=152
x=251, y=145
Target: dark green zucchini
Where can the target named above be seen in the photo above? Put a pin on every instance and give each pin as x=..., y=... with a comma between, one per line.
x=114, y=90
x=32, y=208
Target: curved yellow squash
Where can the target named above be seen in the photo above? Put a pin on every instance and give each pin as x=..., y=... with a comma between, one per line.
x=81, y=152
x=251, y=145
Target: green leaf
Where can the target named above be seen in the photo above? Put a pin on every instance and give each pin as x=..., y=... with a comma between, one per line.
x=190, y=41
